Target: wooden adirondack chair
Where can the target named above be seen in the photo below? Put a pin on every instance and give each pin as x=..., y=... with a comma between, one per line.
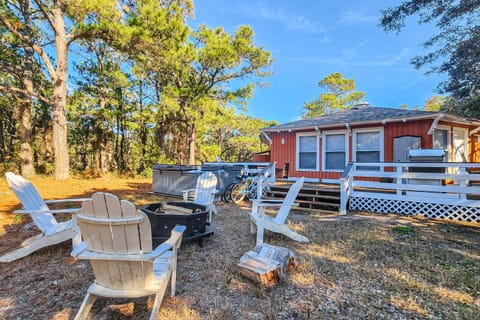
x=278, y=223
x=52, y=232
x=118, y=243
x=204, y=192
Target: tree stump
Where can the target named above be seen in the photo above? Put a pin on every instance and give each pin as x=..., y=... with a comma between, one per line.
x=266, y=264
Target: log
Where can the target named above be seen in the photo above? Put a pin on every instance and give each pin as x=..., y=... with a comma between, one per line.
x=266, y=264
x=170, y=209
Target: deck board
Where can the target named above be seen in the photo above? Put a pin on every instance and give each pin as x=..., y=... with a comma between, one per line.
x=311, y=196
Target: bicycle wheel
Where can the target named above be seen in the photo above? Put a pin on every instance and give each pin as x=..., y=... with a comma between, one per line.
x=227, y=194
x=252, y=191
x=238, y=192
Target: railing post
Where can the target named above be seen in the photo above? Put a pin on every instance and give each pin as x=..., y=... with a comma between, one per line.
x=261, y=180
x=462, y=183
x=272, y=168
x=345, y=185
x=343, y=198
x=399, y=170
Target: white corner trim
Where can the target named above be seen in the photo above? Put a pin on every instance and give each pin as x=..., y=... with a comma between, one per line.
x=267, y=137
x=474, y=131
x=435, y=123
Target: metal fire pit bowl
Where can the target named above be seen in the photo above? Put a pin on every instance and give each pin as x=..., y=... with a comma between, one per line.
x=193, y=216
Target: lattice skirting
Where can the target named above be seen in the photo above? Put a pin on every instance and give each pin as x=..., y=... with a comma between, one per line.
x=429, y=210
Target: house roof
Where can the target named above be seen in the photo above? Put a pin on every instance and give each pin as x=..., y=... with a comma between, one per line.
x=365, y=114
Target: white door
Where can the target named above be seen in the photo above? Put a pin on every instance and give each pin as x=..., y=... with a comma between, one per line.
x=460, y=147
x=460, y=144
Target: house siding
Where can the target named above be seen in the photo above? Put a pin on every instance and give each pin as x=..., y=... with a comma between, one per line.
x=409, y=128
x=286, y=152
x=261, y=158
x=474, y=148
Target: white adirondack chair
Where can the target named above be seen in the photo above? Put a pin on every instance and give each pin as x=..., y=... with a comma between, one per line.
x=204, y=192
x=278, y=223
x=118, y=243
x=52, y=232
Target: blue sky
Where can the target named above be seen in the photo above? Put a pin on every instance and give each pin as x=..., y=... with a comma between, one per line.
x=311, y=39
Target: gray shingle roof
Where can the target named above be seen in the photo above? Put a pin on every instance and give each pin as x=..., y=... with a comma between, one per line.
x=360, y=114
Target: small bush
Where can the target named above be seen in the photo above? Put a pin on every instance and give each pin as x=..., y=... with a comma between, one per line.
x=403, y=229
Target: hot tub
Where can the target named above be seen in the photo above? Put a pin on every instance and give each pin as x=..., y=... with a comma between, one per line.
x=164, y=217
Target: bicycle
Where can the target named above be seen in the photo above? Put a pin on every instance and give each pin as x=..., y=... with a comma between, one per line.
x=245, y=188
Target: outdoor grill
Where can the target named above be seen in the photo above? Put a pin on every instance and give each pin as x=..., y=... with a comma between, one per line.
x=429, y=156
x=164, y=216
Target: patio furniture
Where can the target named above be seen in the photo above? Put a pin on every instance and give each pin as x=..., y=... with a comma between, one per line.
x=204, y=192
x=118, y=243
x=164, y=216
x=52, y=231
x=278, y=223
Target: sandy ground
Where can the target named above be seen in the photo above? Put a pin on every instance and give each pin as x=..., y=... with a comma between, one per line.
x=359, y=266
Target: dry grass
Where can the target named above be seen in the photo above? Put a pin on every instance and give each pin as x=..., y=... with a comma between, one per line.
x=357, y=266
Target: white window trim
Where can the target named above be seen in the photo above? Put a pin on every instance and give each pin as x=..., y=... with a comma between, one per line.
x=381, y=142
x=297, y=151
x=324, y=148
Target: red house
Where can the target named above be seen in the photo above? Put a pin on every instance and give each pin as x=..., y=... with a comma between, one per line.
x=319, y=148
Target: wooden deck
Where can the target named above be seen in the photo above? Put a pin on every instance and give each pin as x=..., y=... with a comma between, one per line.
x=321, y=196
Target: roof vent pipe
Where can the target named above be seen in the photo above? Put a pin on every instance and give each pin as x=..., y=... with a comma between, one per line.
x=360, y=104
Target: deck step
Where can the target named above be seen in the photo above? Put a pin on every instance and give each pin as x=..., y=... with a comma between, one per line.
x=311, y=196
x=282, y=194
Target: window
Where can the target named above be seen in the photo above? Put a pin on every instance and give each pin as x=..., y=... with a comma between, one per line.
x=441, y=140
x=368, y=147
x=335, y=150
x=307, y=152
x=402, y=145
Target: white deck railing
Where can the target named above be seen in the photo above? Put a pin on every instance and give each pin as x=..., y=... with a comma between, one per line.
x=413, y=188
x=254, y=168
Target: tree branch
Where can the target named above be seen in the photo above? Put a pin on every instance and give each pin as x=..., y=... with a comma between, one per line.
x=11, y=68
x=27, y=41
x=45, y=13
x=24, y=92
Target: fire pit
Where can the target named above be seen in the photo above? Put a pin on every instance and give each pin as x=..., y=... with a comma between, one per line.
x=164, y=216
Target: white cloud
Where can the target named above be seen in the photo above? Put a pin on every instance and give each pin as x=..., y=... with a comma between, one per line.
x=338, y=62
x=349, y=58
x=290, y=20
x=351, y=52
x=351, y=17
x=399, y=59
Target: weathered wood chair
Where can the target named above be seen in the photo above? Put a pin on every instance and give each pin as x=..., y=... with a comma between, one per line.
x=204, y=192
x=118, y=243
x=52, y=231
x=278, y=223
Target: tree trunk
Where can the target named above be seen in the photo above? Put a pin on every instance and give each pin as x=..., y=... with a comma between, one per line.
x=117, y=140
x=123, y=130
x=59, y=99
x=102, y=141
x=25, y=134
x=44, y=148
x=143, y=133
x=191, y=136
x=25, y=108
x=2, y=141
x=25, y=115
